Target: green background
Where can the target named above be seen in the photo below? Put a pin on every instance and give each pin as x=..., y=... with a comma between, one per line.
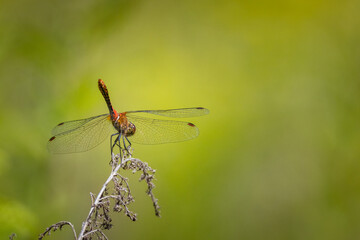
x=277, y=158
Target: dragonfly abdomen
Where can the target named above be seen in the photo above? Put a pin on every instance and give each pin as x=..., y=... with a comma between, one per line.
x=105, y=93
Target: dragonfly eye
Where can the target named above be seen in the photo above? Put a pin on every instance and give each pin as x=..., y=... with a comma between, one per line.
x=131, y=129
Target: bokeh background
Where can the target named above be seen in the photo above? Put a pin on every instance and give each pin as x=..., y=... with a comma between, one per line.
x=277, y=158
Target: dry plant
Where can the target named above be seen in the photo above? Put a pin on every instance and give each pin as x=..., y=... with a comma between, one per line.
x=116, y=196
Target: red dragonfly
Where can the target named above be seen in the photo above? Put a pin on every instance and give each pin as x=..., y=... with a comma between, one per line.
x=133, y=126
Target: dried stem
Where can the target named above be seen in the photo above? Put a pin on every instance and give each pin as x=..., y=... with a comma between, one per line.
x=57, y=226
x=120, y=193
x=95, y=231
x=97, y=200
x=12, y=236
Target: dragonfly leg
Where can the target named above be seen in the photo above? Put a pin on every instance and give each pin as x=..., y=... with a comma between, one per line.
x=111, y=142
x=126, y=147
x=129, y=146
x=112, y=147
x=128, y=141
x=116, y=143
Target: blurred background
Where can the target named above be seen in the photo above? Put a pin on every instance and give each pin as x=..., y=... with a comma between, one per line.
x=277, y=158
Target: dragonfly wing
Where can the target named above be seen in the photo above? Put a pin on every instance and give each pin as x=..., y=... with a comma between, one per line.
x=177, y=113
x=71, y=125
x=80, y=135
x=156, y=131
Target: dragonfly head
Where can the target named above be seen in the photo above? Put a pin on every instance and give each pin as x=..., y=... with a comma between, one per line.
x=131, y=129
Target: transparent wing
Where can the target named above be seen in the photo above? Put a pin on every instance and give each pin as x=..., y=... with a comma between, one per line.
x=80, y=135
x=71, y=125
x=156, y=131
x=176, y=113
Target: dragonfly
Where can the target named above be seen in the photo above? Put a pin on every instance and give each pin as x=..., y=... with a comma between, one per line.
x=126, y=127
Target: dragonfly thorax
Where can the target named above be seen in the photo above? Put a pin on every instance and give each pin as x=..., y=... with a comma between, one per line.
x=122, y=125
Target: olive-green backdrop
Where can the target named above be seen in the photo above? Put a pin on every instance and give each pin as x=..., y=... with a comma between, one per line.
x=278, y=157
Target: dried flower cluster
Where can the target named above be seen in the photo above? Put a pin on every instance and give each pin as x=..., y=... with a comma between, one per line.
x=147, y=175
x=116, y=189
